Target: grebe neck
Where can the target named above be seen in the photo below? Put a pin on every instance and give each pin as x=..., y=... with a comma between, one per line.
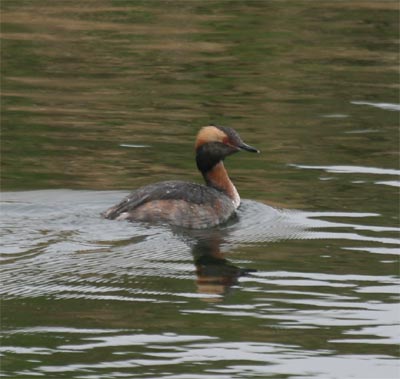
x=217, y=177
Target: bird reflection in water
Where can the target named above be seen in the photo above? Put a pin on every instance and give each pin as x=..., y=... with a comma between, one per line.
x=216, y=275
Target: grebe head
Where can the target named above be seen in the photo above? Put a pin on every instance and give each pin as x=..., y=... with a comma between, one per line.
x=214, y=143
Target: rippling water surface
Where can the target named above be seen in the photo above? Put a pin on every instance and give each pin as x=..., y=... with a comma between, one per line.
x=100, y=99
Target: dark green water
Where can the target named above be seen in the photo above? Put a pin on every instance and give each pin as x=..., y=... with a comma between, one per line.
x=101, y=97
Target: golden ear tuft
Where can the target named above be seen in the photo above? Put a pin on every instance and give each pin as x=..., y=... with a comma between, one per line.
x=209, y=134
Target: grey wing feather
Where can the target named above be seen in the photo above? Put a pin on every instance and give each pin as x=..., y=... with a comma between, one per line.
x=132, y=201
x=161, y=191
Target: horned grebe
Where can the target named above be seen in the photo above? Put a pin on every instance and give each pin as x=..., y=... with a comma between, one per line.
x=190, y=205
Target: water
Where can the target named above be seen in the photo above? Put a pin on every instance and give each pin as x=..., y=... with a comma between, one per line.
x=101, y=99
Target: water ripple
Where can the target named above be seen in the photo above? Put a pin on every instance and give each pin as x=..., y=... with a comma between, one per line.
x=385, y=106
x=351, y=169
x=81, y=255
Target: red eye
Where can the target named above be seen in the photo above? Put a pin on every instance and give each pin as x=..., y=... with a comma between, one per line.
x=228, y=142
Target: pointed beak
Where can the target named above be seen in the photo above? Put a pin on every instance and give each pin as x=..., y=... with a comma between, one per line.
x=251, y=149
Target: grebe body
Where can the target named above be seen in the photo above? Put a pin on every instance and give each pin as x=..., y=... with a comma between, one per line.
x=185, y=204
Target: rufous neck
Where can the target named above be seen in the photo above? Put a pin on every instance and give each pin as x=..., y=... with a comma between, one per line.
x=218, y=178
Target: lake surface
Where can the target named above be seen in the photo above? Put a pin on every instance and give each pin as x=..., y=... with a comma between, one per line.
x=99, y=98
